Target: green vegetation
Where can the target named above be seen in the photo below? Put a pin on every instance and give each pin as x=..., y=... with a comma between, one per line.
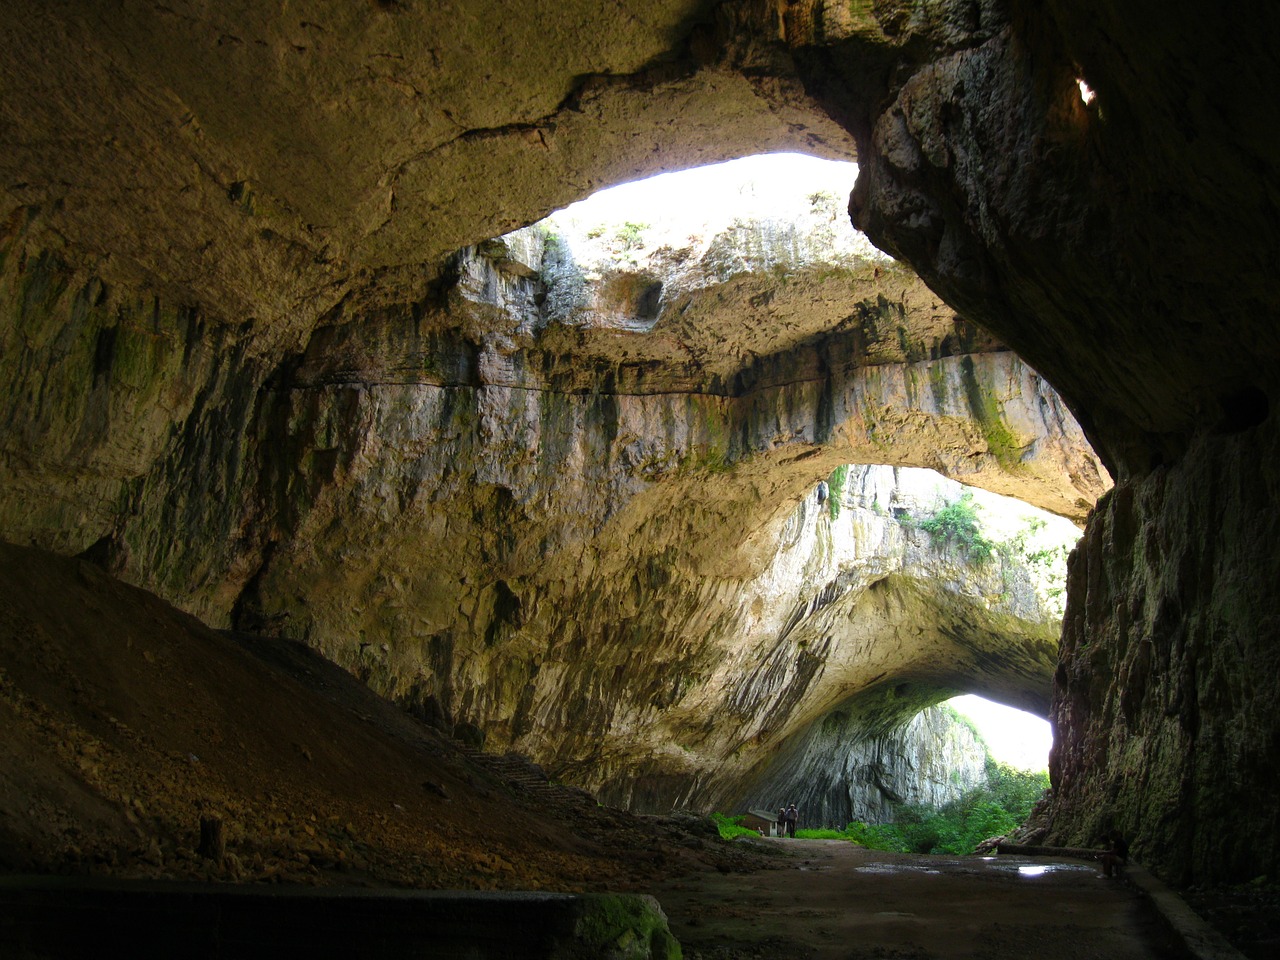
x=630, y=235
x=820, y=199
x=956, y=523
x=1044, y=558
x=550, y=235
x=835, y=488
x=731, y=827
x=618, y=925
x=1001, y=442
x=1035, y=556
x=992, y=810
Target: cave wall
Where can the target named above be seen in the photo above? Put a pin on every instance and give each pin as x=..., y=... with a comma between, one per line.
x=203, y=186
x=1123, y=247
x=1168, y=653
x=819, y=668
x=845, y=769
x=492, y=512
x=127, y=425
x=604, y=568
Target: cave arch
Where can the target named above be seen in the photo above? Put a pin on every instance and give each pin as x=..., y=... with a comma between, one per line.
x=243, y=175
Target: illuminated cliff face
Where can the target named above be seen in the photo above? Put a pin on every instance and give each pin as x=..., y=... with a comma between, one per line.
x=580, y=520
x=235, y=365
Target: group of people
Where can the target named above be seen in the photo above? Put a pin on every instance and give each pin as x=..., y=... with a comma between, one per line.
x=787, y=817
x=1113, y=859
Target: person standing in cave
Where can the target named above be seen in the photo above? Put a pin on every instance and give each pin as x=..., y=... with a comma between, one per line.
x=1114, y=858
x=791, y=815
x=782, y=821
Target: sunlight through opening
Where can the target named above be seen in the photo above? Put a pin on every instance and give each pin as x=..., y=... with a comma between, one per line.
x=671, y=208
x=1015, y=737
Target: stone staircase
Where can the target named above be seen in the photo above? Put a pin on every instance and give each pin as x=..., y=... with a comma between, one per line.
x=524, y=779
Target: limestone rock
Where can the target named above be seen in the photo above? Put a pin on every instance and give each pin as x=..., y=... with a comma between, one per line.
x=1157, y=658
x=841, y=772
x=520, y=516
x=1109, y=243
x=237, y=212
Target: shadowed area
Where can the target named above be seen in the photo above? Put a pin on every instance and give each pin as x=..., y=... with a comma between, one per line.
x=271, y=351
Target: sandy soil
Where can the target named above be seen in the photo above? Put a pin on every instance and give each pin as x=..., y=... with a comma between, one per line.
x=831, y=900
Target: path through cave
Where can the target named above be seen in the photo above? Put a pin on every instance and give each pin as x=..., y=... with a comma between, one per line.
x=830, y=900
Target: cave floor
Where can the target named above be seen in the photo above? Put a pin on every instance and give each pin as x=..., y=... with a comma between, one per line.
x=831, y=900
x=124, y=723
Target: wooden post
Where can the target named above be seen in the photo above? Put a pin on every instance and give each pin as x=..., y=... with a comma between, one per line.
x=213, y=842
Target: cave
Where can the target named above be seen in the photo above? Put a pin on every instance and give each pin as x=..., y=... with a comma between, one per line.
x=277, y=349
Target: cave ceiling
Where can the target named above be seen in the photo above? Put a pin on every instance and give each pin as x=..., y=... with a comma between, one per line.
x=215, y=191
x=268, y=163
x=281, y=158
x=291, y=184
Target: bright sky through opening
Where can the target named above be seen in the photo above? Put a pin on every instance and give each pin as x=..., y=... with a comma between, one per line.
x=1013, y=736
x=759, y=187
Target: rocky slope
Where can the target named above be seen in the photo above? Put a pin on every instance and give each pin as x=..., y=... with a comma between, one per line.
x=126, y=722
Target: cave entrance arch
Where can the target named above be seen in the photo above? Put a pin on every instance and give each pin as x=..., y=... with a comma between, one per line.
x=380, y=153
x=633, y=434
x=860, y=620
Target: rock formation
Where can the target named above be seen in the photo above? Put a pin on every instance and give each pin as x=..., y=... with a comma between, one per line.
x=841, y=774
x=235, y=370
x=538, y=513
x=1122, y=236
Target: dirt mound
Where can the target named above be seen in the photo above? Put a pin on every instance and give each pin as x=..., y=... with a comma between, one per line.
x=125, y=721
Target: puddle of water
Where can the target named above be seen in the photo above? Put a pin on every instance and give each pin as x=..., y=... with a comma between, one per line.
x=1043, y=869
x=1040, y=869
x=1001, y=864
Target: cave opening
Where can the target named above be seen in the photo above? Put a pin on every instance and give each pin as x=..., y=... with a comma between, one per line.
x=1016, y=737
x=967, y=587
x=255, y=365
x=764, y=239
